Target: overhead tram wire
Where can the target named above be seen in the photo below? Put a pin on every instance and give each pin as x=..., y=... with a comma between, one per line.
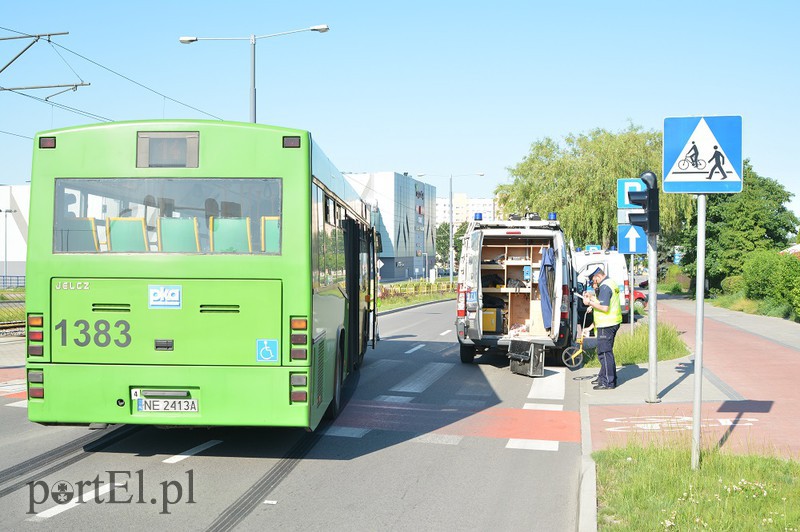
x=136, y=82
x=16, y=135
x=85, y=113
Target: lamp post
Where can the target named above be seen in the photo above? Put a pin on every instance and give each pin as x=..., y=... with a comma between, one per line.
x=5, y=244
x=322, y=28
x=452, y=250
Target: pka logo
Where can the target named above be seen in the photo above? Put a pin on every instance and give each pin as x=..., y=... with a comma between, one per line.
x=164, y=296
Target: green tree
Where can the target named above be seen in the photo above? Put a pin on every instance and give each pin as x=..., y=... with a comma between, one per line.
x=577, y=178
x=739, y=224
x=442, y=242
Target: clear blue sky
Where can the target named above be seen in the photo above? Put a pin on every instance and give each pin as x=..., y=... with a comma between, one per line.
x=434, y=87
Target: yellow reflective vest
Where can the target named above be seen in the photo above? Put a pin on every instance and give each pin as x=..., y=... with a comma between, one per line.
x=614, y=314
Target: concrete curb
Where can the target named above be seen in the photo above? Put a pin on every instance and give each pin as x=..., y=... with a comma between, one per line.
x=587, y=490
x=392, y=311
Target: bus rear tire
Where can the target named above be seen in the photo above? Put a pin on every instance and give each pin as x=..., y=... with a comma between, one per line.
x=467, y=353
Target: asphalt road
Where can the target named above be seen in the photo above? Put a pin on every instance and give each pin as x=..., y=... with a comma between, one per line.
x=423, y=443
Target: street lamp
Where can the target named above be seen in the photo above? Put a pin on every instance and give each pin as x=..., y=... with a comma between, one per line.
x=452, y=249
x=5, y=243
x=321, y=28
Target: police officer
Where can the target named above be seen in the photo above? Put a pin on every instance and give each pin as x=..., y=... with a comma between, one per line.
x=607, y=317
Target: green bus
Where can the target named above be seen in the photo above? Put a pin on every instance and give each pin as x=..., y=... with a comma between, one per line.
x=193, y=272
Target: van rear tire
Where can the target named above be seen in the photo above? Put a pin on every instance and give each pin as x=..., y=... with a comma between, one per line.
x=467, y=353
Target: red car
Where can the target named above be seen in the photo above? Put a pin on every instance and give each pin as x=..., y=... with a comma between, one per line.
x=640, y=297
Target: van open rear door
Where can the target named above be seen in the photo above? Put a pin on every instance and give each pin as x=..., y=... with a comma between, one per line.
x=472, y=280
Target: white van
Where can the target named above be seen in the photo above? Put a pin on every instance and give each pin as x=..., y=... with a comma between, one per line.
x=613, y=264
x=515, y=292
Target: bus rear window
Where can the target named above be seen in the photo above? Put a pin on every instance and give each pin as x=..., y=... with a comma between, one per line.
x=168, y=216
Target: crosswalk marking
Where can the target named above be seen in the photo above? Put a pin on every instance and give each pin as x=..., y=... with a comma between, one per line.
x=448, y=331
x=542, y=406
x=394, y=398
x=346, y=432
x=19, y=404
x=532, y=445
x=191, y=452
x=12, y=387
x=422, y=379
x=439, y=439
x=552, y=386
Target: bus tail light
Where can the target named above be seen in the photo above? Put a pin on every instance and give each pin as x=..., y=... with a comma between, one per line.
x=36, y=384
x=298, y=350
x=564, y=302
x=462, y=302
x=297, y=382
x=35, y=335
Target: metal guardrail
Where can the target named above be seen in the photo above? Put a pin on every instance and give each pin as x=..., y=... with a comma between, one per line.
x=12, y=308
x=409, y=289
x=12, y=281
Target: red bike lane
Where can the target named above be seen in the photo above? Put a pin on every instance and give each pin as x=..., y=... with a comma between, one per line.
x=761, y=374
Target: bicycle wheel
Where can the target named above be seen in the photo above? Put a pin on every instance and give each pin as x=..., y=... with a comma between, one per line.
x=572, y=356
x=683, y=164
x=701, y=164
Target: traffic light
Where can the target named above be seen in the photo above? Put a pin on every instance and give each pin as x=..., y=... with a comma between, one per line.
x=648, y=199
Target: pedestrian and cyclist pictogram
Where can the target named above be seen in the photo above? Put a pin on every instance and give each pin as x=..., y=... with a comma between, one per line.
x=703, y=154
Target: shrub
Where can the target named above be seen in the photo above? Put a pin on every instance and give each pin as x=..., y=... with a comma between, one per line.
x=760, y=273
x=788, y=273
x=733, y=285
x=794, y=297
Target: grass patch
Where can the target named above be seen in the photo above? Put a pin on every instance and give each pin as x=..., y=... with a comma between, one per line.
x=399, y=301
x=652, y=487
x=633, y=348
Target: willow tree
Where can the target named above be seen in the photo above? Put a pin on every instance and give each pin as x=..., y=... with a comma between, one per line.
x=577, y=178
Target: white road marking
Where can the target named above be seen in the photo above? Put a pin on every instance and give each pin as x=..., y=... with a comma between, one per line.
x=542, y=406
x=270, y=502
x=422, y=379
x=13, y=386
x=532, y=445
x=439, y=439
x=417, y=348
x=88, y=496
x=448, y=331
x=394, y=399
x=474, y=404
x=346, y=432
x=191, y=452
x=20, y=404
x=553, y=386
x=479, y=389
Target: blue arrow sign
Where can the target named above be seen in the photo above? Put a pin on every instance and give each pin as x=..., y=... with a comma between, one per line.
x=631, y=240
x=703, y=154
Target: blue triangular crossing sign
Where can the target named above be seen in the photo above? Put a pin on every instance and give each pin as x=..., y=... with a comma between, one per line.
x=703, y=154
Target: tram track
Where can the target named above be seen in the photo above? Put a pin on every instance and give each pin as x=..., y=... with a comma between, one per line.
x=254, y=496
x=63, y=456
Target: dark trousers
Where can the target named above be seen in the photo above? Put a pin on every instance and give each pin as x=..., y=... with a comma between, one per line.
x=605, y=353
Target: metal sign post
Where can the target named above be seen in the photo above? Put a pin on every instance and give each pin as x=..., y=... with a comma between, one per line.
x=652, y=318
x=702, y=155
x=698, y=338
x=632, y=299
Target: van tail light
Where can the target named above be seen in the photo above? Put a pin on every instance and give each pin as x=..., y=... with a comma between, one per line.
x=564, y=302
x=461, y=311
x=627, y=295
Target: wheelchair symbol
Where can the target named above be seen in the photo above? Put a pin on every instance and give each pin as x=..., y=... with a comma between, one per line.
x=266, y=350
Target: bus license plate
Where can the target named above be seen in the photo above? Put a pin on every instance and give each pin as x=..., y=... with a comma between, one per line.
x=166, y=405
